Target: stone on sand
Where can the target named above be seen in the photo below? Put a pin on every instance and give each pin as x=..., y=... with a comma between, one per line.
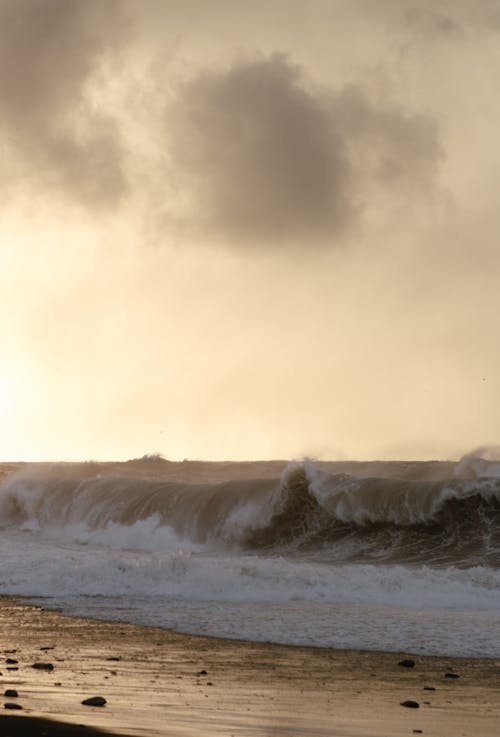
x=94, y=701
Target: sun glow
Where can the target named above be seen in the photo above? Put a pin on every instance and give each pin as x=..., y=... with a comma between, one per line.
x=8, y=392
x=10, y=412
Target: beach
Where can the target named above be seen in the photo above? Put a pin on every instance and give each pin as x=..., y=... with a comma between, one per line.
x=157, y=682
x=249, y=374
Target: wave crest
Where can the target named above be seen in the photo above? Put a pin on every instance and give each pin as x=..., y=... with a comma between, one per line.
x=437, y=520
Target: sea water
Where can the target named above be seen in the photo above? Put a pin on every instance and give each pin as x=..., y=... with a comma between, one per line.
x=386, y=556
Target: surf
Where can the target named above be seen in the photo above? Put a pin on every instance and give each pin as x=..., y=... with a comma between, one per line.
x=404, y=516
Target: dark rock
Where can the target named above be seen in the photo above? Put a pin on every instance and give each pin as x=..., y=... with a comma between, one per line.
x=11, y=661
x=114, y=657
x=12, y=667
x=43, y=666
x=47, y=647
x=94, y=701
x=11, y=705
x=11, y=693
x=410, y=704
x=451, y=675
x=407, y=663
x=418, y=731
x=202, y=673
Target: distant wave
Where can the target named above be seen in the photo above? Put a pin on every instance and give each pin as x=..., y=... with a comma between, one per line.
x=423, y=513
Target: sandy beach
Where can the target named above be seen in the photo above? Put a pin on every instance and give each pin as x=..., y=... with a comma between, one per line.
x=156, y=682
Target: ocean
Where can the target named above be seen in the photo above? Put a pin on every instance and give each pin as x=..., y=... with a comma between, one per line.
x=385, y=555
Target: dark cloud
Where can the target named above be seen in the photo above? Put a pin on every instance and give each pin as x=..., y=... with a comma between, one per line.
x=49, y=52
x=265, y=159
x=257, y=152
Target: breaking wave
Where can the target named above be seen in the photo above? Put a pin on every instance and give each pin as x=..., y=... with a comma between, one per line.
x=437, y=514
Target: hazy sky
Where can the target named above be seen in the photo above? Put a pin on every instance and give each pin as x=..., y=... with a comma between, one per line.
x=259, y=229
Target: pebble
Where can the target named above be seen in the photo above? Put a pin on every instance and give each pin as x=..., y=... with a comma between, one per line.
x=43, y=666
x=410, y=704
x=11, y=705
x=451, y=675
x=407, y=663
x=94, y=701
x=11, y=693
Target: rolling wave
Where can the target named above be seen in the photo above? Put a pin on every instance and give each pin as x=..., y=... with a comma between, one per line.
x=406, y=513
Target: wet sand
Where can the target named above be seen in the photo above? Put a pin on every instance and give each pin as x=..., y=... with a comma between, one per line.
x=156, y=682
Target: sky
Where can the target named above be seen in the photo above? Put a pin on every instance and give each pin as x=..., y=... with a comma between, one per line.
x=234, y=230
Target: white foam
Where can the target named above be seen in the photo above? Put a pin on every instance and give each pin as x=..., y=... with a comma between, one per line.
x=450, y=610
x=147, y=535
x=46, y=567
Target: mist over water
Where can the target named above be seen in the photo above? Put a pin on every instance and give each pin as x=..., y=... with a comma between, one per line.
x=340, y=553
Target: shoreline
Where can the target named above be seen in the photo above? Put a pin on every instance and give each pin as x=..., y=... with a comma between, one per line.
x=36, y=602
x=159, y=682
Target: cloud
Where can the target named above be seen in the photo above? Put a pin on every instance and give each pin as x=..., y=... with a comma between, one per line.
x=264, y=158
x=459, y=20
x=388, y=146
x=258, y=153
x=433, y=23
x=49, y=53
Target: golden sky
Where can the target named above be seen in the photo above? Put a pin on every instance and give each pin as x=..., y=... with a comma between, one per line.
x=249, y=230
